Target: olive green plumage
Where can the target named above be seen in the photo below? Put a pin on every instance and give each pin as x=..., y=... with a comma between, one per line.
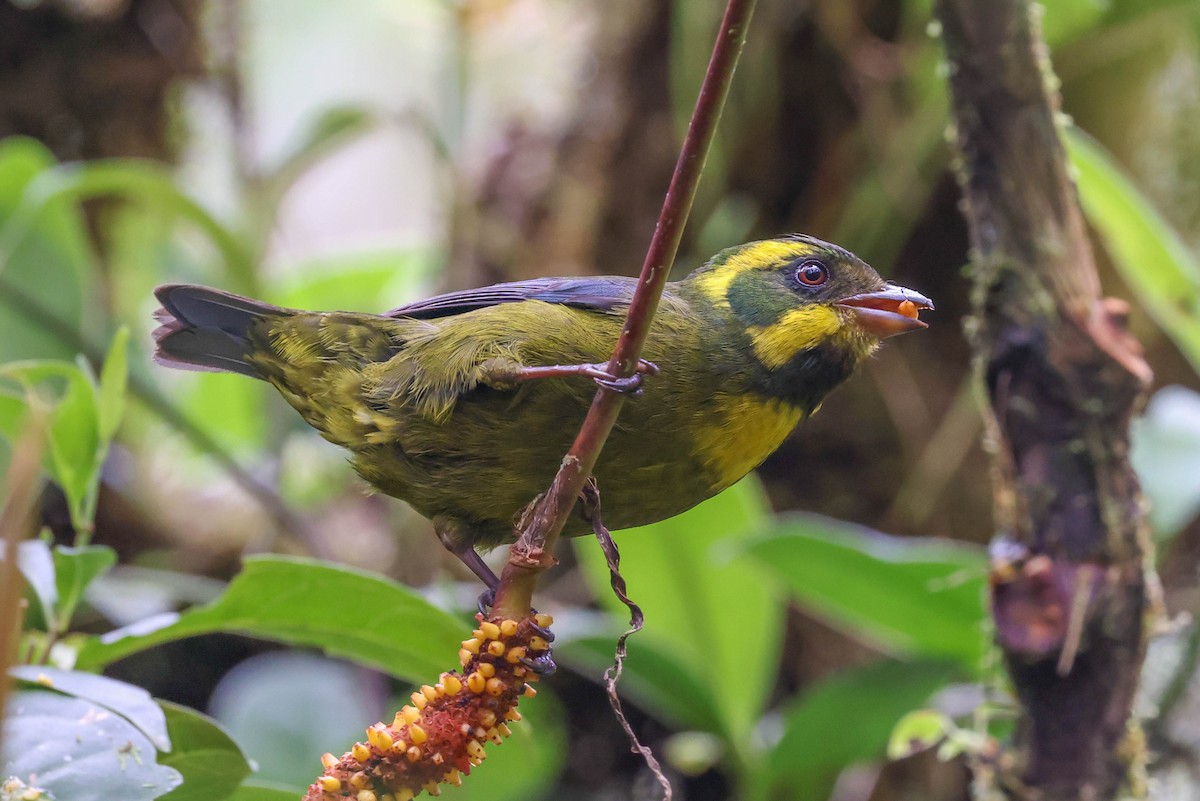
x=428, y=399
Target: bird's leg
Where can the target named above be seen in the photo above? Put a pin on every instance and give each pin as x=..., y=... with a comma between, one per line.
x=450, y=533
x=506, y=374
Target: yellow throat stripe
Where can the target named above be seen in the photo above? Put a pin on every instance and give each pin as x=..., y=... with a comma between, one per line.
x=797, y=330
x=758, y=256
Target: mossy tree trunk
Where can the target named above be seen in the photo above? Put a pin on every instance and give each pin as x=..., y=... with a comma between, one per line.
x=1062, y=378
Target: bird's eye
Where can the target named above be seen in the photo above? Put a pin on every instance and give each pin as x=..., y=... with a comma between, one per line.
x=812, y=273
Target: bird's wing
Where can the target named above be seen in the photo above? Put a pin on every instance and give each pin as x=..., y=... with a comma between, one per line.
x=604, y=294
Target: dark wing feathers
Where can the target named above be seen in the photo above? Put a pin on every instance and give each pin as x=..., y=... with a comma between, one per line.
x=604, y=294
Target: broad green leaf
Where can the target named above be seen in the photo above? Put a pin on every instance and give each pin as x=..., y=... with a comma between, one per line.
x=74, y=444
x=846, y=719
x=37, y=566
x=54, y=188
x=12, y=412
x=210, y=762
x=43, y=266
x=918, y=597
x=75, y=568
x=127, y=700
x=348, y=613
x=288, y=708
x=654, y=677
x=113, y=378
x=711, y=612
x=80, y=751
x=918, y=731
x=1157, y=266
x=262, y=791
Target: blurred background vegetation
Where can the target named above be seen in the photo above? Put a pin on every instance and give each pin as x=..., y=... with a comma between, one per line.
x=360, y=155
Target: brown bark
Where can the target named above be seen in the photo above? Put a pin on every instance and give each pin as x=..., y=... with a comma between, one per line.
x=93, y=79
x=1062, y=379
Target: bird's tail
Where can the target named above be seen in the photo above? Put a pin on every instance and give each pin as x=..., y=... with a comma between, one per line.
x=207, y=329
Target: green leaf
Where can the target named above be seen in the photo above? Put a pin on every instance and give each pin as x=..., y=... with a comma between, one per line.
x=654, y=677
x=290, y=707
x=79, y=751
x=127, y=700
x=906, y=595
x=262, y=791
x=210, y=762
x=711, y=612
x=846, y=719
x=73, y=457
x=44, y=261
x=37, y=566
x=54, y=189
x=12, y=413
x=75, y=568
x=349, y=613
x=1157, y=266
x=918, y=731
x=75, y=446
x=113, y=378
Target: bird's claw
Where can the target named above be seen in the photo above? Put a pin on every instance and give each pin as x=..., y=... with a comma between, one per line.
x=543, y=664
x=631, y=385
x=488, y=597
x=485, y=601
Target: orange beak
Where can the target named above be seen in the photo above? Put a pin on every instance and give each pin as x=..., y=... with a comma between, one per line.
x=890, y=311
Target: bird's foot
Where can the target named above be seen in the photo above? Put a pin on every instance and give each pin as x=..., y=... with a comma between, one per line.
x=484, y=602
x=631, y=385
x=542, y=664
x=484, y=605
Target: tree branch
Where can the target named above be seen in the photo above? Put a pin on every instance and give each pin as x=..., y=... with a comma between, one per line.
x=544, y=521
x=1062, y=378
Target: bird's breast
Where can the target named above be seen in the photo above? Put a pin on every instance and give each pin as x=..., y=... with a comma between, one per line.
x=738, y=432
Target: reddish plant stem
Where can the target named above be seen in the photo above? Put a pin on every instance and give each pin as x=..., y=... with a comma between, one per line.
x=541, y=527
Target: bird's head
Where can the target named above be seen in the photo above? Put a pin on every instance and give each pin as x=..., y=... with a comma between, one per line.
x=798, y=296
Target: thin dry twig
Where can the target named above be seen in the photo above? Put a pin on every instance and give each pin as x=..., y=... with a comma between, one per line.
x=612, y=676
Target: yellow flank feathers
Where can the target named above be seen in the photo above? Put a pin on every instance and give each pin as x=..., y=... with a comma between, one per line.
x=746, y=431
x=760, y=255
x=797, y=330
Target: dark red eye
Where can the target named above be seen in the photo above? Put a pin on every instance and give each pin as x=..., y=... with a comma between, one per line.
x=812, y=273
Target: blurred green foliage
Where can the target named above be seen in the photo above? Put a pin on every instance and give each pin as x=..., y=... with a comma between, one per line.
x=716, y=583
